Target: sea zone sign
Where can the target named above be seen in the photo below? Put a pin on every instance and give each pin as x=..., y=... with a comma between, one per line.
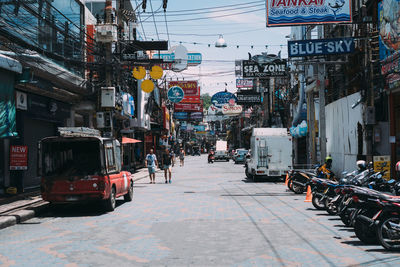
x=320, y=47
x=300, y=12
x=254, y=69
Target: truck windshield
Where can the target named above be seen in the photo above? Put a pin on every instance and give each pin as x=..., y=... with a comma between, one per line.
x=71, y=158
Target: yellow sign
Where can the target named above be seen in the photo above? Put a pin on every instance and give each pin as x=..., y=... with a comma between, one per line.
x=156, y=72
x=139, y=72
x=147, y=86
x=382, y=163
x=201, y=132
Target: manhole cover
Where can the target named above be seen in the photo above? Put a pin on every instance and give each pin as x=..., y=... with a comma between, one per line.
x=189, y=192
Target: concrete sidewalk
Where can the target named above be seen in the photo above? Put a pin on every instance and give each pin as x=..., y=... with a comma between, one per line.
x=20, y=208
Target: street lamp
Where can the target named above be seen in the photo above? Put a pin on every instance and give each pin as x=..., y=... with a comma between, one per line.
x=220, y=43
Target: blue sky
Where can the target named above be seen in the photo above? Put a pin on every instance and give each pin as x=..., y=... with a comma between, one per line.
x=246, y=30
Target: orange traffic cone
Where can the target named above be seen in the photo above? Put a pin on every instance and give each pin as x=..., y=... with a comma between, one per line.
x=309, y=194
x=287, y=179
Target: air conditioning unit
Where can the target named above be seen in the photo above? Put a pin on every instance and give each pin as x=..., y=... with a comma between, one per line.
x=106, y=33
x=108, y=97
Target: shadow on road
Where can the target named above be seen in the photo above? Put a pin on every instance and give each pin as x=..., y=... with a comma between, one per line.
x=77, y=210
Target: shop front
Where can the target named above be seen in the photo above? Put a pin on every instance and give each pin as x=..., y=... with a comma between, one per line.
x=394, y=138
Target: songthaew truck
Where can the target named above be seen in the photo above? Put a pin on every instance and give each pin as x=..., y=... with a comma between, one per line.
x=271, y=153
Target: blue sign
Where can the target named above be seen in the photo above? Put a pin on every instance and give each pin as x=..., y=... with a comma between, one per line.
x=320, y=47
x=181, y=115
x=222, y=98
x=175, y=94
x=301, y=12
x=193, y=58
x=200, y=128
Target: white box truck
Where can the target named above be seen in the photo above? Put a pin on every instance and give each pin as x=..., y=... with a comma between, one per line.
x=271, y=153
x=221, y=150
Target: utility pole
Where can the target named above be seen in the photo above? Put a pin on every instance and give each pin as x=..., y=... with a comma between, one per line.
x=108, y=45
x=322, y=123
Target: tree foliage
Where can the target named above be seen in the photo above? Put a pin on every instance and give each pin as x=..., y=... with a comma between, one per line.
x=206, y=100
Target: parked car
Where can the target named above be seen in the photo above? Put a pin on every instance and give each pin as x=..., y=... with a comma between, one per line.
x=240, y=156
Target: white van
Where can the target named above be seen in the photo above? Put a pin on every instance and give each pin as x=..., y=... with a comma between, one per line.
x=271, y=153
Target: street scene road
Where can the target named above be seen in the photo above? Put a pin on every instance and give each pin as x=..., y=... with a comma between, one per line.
x=210, y=215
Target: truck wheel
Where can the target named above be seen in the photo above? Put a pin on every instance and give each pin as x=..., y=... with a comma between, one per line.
x=255, y=178
x=109, y=203
x=129, y=196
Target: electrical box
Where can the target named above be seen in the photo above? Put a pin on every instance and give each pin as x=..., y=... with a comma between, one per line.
x=108, y=97
x=100, y=119
x=369, y=116
x=106, y=33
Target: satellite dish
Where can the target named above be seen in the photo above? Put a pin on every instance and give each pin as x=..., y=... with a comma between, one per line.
x=181, y=58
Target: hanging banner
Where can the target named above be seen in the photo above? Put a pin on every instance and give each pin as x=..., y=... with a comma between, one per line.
x=244, y=83
x=190, y=89
x=305, y=48
x=273, y=69
x=302, y=12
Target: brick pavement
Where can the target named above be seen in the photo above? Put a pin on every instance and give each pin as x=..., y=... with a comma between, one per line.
x=209, y=215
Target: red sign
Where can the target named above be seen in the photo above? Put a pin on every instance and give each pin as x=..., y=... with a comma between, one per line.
x=18, y=158
x=190, y=88
x=188, y=107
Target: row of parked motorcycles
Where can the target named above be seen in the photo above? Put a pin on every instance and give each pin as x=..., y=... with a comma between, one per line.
x=362, y=199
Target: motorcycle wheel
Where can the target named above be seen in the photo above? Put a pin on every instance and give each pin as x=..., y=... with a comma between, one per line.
x=331, y=208
x=316, y=201
x=387, y=235
x=297, y=189
x=364, y=232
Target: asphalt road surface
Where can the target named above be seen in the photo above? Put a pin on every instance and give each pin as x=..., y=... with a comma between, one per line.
x=210, y=215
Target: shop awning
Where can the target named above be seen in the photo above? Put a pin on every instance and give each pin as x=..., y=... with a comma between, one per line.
x=126, y=140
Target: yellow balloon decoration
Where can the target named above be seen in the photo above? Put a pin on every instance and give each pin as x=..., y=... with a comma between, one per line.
x=147, y=86
x=139, y=72
x=156, y=72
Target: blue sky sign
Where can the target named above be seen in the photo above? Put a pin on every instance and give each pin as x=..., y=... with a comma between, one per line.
x=305, y=48
x=301, y=12
x=175, y=94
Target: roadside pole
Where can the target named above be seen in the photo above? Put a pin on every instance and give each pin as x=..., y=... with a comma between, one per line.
x=322, y=122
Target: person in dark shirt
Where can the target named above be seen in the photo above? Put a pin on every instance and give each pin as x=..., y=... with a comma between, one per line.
x=167, y=159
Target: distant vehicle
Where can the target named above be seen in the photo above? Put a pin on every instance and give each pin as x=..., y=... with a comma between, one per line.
x=80, y=165
x=271, y=153
x=240, y=156
x=221, y=150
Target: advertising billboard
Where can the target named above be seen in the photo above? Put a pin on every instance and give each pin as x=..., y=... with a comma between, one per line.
x=18, y=158
x=302, y=12
x=190, y=88
x=188, y=107
x=273, y=69
x=305, y=48
x=244, y=83
x=249, y=98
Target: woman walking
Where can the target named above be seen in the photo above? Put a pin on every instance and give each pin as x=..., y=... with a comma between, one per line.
x=182, y=157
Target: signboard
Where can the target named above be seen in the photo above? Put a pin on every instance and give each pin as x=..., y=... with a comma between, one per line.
x=382, y=163
x=175, y=94
x=18, y=158
x=190, y=89
x=231, y=110
x=194, y=58
x=21, y=100
x=320, y=47
x=254, y=69
x=181, y=115
x=301, y=12
x=188, y=107
x=248, y=98
x=196, y=116
x=221, y=98
x=200, y=128
x=244, y=83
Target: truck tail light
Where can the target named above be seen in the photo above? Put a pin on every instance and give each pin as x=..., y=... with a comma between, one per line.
x=260, y=171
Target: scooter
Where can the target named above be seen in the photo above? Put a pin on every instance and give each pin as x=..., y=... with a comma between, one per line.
x=211, y=158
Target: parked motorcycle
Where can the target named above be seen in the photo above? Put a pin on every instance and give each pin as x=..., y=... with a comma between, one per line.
x=211, y=158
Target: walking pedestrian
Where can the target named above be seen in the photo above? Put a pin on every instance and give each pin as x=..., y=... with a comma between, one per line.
x=167, y=159
x=151, y=163
x=182, y=157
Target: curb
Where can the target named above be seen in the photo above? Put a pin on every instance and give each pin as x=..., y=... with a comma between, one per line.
x=19, y=216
